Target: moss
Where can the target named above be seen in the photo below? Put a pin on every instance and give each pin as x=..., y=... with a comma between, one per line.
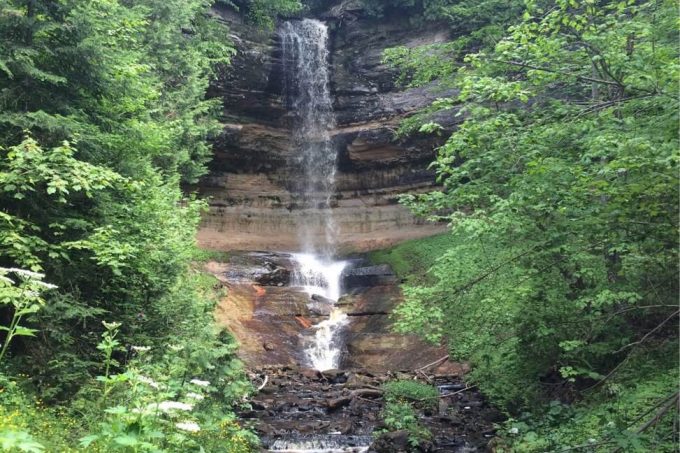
x=412, y=260
x=203, y=255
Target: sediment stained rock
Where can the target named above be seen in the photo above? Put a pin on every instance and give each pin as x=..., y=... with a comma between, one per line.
x=270, y=321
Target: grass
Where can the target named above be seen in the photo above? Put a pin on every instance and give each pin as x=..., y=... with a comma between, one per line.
x=421, y=395
x=203, y=255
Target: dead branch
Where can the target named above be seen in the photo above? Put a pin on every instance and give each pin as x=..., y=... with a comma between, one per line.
x=658, y=415
x=632, y=345
x=673, y=401
x=264, y=383
x=427, y=378
x=641, y=340
x=436, y=362
x=446, y=395
x=366, y=392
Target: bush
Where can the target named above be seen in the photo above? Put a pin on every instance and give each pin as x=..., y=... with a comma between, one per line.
x=402, y=416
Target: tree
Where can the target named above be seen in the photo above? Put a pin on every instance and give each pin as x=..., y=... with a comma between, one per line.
x=561, y=188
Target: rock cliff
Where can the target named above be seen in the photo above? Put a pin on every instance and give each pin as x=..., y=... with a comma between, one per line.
x=252, y=204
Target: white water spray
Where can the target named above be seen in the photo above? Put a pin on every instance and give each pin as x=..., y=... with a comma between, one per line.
x=318, y=277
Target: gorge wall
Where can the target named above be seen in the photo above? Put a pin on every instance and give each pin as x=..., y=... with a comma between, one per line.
x=253, y=204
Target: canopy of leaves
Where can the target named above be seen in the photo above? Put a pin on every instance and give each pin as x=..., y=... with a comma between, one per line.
x=102, y=114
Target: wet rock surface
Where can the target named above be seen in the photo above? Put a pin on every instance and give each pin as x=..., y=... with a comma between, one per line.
x=361, y=277
x=272, y=319
x=342, y=407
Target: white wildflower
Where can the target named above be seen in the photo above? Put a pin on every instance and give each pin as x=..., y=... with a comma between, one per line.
x=141, y=348
x=514, y=431
x=46, y=285
x=192, y=427
x=25, y=273
x=111, y=325
x=176, y=347
x=167, y=406
x=195, y=396
x=147, y=380
x=200, y=383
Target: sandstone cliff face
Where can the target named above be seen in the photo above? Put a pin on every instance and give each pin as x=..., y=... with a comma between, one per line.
x=250, y=183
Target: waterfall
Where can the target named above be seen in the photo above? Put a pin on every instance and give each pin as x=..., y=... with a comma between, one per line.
x=306, y=87
x=307, y=93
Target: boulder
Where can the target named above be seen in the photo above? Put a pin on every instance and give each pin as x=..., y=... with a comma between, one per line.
x=391, y=442
x=321, y=299
x=275, y=275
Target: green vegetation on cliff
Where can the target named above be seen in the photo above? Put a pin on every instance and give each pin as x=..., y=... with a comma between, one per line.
x=412, y=260
x=559, y=283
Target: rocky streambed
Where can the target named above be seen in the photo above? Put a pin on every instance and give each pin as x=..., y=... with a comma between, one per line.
x=300, y=408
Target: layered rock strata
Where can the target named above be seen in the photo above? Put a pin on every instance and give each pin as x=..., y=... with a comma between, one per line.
x=253, y=204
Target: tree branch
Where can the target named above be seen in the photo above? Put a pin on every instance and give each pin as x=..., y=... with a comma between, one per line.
x=436, y=362
x=555, y=71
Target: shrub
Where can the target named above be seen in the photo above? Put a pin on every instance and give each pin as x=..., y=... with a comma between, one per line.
x=402, y=416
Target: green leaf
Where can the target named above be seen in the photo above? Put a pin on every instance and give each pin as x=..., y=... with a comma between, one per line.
x=126, y=440
x=24, y=331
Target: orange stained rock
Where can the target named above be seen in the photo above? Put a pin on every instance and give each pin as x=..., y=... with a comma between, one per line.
x=259, y=291
x=304, y=322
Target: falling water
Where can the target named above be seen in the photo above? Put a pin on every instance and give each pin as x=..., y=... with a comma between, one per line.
x=322, y=278
x=305, y=59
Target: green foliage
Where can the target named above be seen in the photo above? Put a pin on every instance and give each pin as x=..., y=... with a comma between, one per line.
x=157, y=404
x=174, y=396
x=413, y=392
x=604, y=423
x=126, y=81
x=402, y=416
x=265, y=12
x=411, y=260
x=23, y=296
x=561, y=189
x=404, y=399
x=102, y=116
x=27, y=425
x=474, y=25
x=19, y=441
